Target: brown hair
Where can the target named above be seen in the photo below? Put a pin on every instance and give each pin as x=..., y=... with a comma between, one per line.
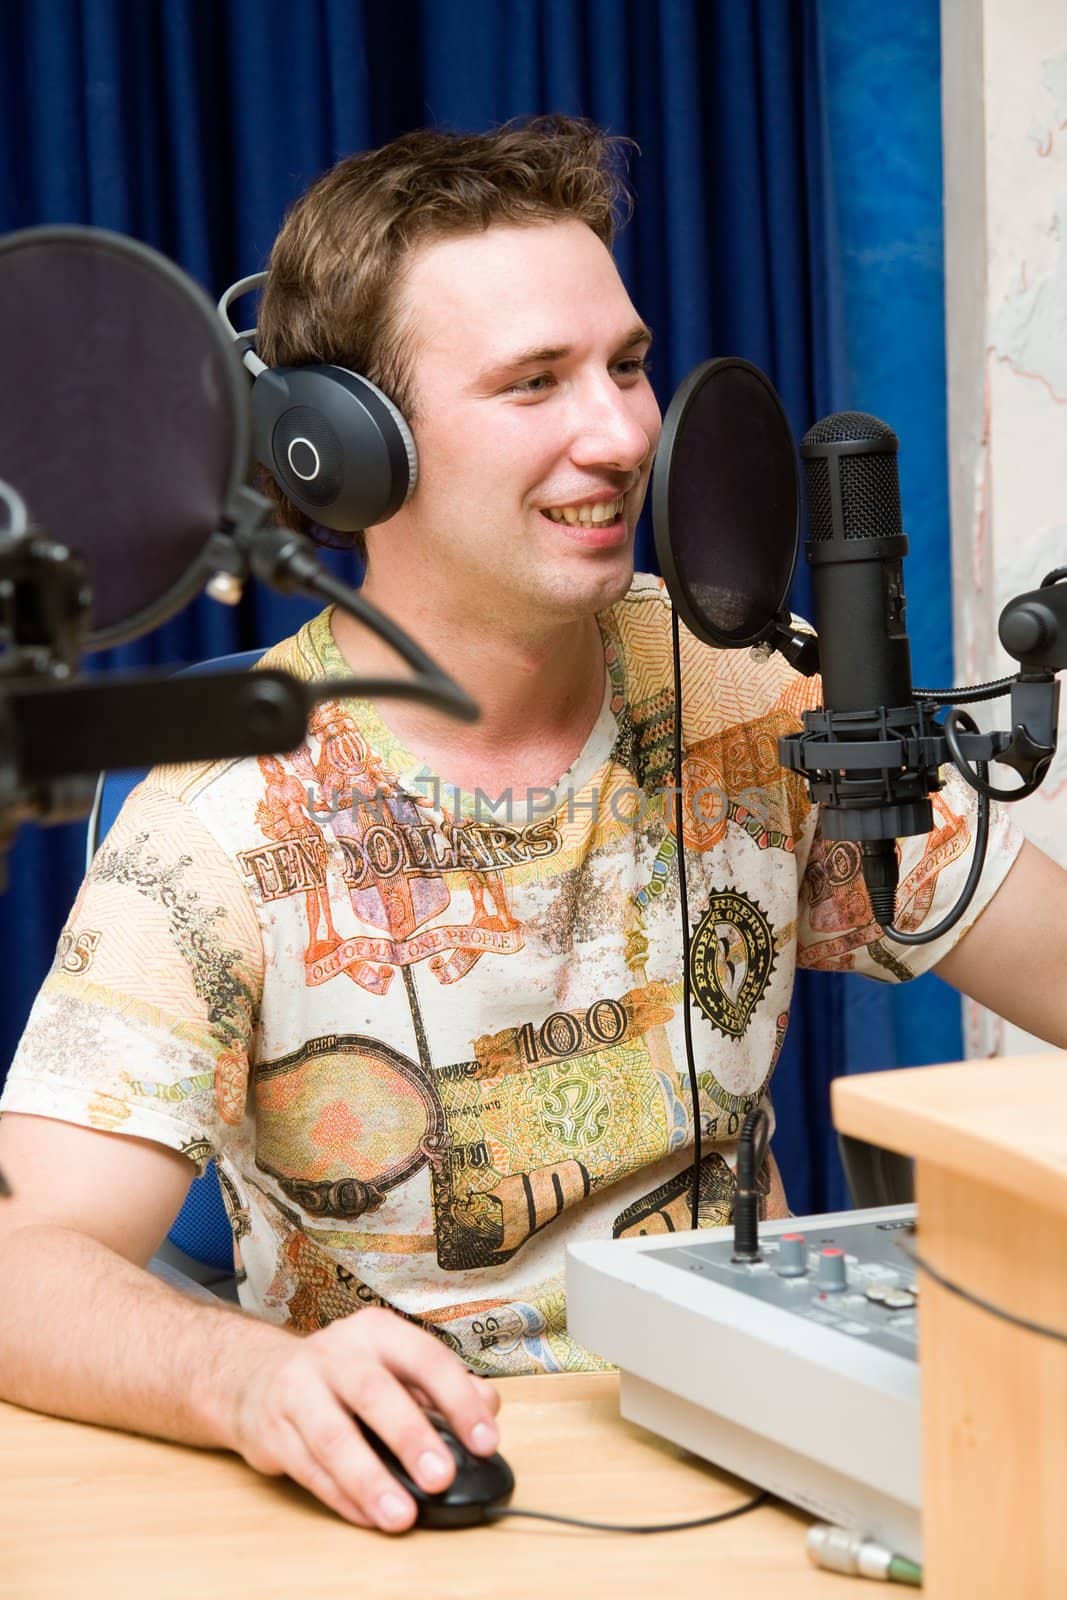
x=338, y=259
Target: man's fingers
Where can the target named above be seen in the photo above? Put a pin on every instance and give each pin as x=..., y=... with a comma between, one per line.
x=486, y=1391
x=417, y=1359
x=341, y=1455
x=303, y=1468
x=302, y=1415
x=387, y=1406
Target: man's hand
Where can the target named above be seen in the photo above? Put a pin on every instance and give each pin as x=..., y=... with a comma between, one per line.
x=207, y=1375
x=295, y=1410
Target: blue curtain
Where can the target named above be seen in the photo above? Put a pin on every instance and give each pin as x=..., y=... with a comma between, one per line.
x=193, y=125
x=884, y=117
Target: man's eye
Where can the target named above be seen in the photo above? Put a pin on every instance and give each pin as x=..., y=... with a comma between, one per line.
x=634, y=367
x=536, y=385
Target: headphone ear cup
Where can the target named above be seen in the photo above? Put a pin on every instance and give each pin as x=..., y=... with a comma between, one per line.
x=338, y=447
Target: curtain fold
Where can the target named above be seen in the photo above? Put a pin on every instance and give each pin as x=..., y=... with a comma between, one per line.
x=193, y=125
x=883, y=97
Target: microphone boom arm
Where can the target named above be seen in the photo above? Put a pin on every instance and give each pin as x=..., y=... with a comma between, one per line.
x=59, y=730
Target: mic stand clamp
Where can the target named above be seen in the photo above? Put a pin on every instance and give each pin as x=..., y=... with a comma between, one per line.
x=800, y=649
x=1035, y=702
x=875, y=766
x=44, y=606
x=44, y=616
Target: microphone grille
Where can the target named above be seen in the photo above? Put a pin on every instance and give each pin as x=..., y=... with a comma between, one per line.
x=859, y=452
x=870, y=497
x=820, y=505
x=850, y=427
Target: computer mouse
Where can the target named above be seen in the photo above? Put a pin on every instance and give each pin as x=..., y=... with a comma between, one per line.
x=480, y=1482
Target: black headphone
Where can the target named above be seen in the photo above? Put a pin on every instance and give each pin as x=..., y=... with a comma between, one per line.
x=338, y=447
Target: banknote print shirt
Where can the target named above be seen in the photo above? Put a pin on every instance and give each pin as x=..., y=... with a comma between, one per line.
x=431, y=1037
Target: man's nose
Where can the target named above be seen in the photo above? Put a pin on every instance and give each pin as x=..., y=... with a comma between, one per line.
x=611, y=430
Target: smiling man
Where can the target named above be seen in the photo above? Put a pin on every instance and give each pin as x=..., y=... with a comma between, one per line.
x=429, y=1022
x=536, y=427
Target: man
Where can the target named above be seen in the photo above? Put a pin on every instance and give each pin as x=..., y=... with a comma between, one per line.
x=483, y=1057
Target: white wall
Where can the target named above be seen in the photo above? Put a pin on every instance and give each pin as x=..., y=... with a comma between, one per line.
x=1004, y=99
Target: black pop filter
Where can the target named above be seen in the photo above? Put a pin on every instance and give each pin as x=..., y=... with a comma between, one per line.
x=725, y=504
x=124, y=418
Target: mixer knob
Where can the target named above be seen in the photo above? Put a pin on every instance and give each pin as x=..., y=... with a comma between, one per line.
x=792, y=1255
x=830, y=1270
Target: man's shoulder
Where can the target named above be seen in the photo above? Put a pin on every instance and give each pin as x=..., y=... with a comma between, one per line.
x=306, y=655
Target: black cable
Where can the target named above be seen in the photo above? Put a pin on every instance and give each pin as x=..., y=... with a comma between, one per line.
x=434, y=685
x=288, y=561
x=683, y=896
x=963, y=766
x=981, y=841
x=751, y=1154
x=495, y=1513
x=326, y=586
x=976, y=1299
x=982, y=691
x=968, y=696
x=440, y=693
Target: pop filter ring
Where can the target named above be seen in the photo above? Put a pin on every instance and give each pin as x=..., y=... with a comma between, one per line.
x=685, y=395
x=177, y=280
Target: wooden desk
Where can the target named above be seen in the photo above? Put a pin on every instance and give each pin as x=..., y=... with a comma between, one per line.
x=87, y=1513
x=990, y=1145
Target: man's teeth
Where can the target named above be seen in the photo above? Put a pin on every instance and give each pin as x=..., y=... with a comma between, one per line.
x=587, y=516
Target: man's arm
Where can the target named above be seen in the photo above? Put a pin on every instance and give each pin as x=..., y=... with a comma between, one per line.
x=1014, y=958
x=88, y=1333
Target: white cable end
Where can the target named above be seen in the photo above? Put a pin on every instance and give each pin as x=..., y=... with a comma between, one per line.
x=839, y=1550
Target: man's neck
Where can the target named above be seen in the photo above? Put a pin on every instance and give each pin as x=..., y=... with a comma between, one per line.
x=540, y=689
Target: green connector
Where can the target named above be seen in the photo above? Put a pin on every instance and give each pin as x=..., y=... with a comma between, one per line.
x=901, y=1570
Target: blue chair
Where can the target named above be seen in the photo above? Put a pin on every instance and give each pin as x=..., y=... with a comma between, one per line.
x=201, y=1229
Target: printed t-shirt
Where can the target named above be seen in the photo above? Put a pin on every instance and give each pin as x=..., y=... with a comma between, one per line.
x=431, y=1037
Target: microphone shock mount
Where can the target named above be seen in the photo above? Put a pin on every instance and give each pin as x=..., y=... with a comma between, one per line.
x=872, y=772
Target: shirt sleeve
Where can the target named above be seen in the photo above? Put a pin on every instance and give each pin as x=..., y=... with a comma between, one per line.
x=144, y=1021
x=836, y=928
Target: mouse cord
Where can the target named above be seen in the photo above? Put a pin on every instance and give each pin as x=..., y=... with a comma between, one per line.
x=494, y=1513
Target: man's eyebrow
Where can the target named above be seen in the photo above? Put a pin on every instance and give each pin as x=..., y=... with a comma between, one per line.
x=639, y=334
x=544, y=354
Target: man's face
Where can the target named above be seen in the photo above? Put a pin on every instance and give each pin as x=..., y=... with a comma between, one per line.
x=535, y=424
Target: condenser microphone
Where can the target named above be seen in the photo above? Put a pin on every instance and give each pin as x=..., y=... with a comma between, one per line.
x=856, y=546
x=725, y=512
